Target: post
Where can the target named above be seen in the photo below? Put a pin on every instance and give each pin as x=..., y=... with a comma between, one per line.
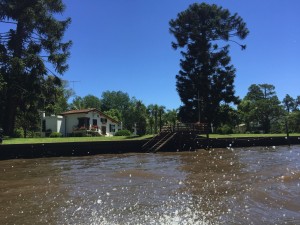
x=42, y=114
x=199, y=110
x=1, y=135
x=207, y=141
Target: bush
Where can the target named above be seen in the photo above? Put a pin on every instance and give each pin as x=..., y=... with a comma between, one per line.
x=123, y=133
x=55, y=135
x=18, y=133
x=225, y=129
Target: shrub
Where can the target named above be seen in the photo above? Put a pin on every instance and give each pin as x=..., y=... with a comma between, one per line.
x=55, y=135
x=18, y=133
x=48, y=132
x=225, y=129
x=123, y=133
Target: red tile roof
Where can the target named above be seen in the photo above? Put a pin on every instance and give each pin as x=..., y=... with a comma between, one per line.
x=79, y=111
x=85, y=111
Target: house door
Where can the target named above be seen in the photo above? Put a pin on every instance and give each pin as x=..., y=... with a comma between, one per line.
x=103, y=130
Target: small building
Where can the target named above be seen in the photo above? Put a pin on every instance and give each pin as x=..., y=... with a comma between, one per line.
x=72, y=122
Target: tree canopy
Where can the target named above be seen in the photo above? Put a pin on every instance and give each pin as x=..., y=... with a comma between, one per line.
x=115, y=100
x=206, y=77
x=30, y=49
x=291, y=104
x=261, y=106
x=88, y=101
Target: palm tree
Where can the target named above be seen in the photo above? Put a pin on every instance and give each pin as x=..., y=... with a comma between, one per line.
x=151, y=115
x=161, y=111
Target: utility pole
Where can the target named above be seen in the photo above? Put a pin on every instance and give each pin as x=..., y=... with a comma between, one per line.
x=74, y=81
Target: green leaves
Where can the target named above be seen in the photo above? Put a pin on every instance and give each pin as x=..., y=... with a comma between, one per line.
x=206, y=77
x=261, y=107
x=31, y=48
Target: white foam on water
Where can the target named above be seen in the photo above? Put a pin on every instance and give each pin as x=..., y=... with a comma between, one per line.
x=187, y=217
x=181, y=210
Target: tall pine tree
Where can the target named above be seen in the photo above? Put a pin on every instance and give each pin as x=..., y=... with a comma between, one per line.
x=30, y=49
x=206, y=77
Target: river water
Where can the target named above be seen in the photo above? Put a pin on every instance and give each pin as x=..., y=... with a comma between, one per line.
x=224, y=186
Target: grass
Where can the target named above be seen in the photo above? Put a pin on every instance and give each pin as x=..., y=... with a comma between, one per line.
x=70, y=139
x=249, y=135
x=122, y=138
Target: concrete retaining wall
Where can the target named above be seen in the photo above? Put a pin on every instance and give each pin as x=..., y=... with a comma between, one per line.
x=13, y=151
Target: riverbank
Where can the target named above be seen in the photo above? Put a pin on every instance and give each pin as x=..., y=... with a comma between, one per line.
x=38, y=150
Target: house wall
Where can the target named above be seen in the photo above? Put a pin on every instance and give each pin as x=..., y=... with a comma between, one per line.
x=72, y=122
x=55, y=123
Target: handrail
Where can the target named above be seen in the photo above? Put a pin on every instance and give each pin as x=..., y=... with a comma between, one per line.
x=200, y=127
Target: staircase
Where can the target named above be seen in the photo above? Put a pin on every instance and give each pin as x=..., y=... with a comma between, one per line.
x=158, y=141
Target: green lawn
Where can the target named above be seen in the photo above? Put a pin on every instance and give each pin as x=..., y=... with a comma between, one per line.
x=69, y=139
x=249, y=135
x=121, y=138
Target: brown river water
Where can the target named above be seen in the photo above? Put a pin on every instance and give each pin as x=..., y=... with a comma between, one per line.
x=222, y=186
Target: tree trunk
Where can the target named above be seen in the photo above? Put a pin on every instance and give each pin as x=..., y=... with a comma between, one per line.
x=10, y=115
x=12, y=98
x=25, y=132
x=266, y=125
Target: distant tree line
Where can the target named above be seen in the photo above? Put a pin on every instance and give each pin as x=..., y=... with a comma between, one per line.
x=260, y=111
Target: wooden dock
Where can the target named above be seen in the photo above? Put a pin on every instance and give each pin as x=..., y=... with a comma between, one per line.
x=181, y=135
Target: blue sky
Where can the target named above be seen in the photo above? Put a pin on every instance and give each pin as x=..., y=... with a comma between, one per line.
x=126, y=45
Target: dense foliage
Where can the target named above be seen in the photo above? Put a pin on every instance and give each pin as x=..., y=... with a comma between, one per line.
x=261, y=108
x=123, y=133
x=206, y=78
x=33, y=42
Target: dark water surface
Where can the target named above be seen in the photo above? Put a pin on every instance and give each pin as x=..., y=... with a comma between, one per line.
x=224, y=186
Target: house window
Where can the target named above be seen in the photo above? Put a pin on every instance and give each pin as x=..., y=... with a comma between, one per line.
x=112, y=128
x=83, y=122
x=103, y=120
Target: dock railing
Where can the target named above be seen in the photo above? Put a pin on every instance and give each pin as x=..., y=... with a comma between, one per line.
x=201, y=128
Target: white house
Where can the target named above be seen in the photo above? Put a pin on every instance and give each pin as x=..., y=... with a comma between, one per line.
x=81, y=121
